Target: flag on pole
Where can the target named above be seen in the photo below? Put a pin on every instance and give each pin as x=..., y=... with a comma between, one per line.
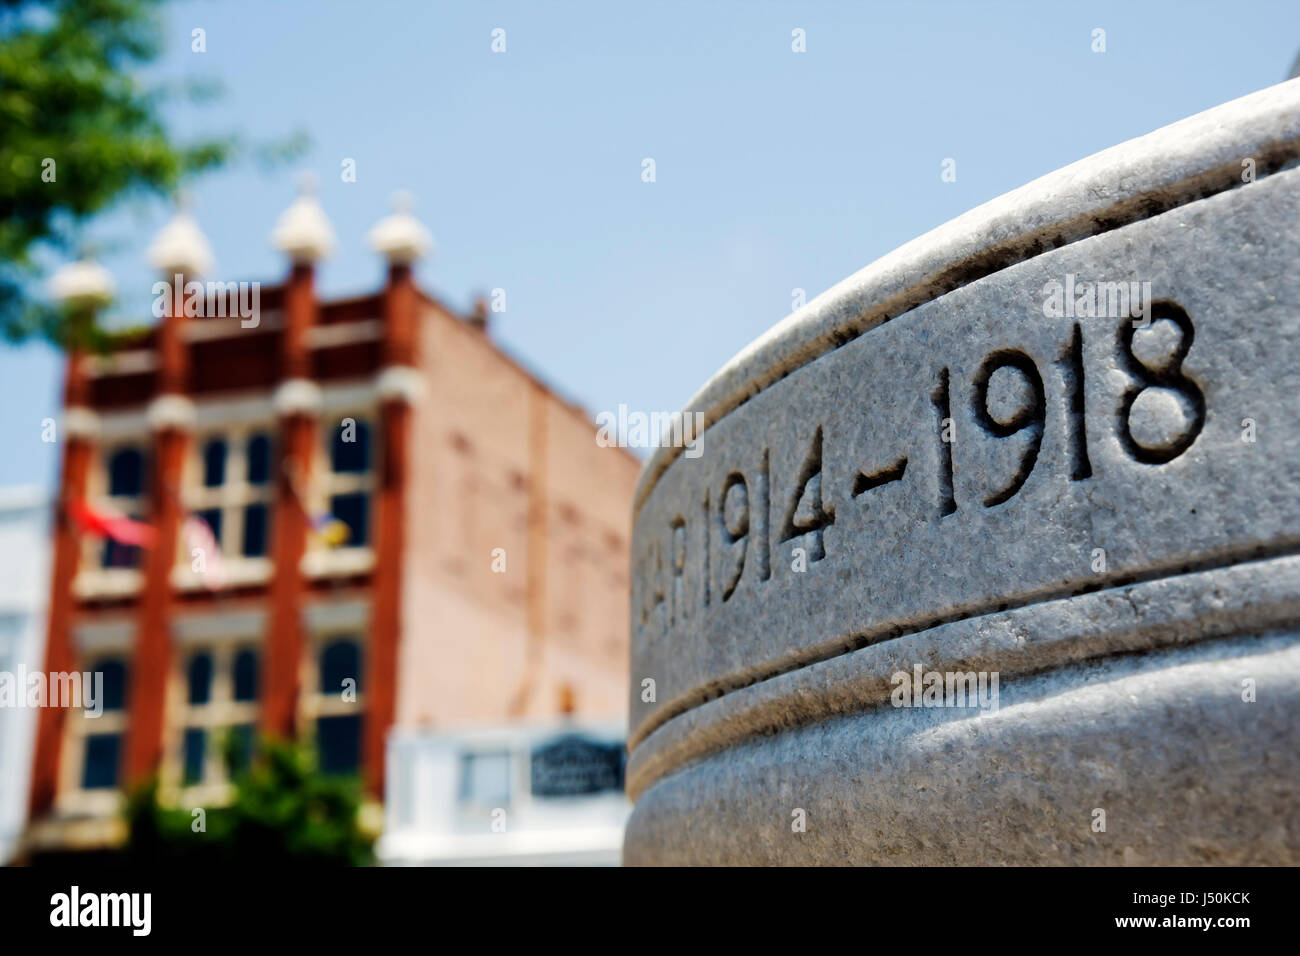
x=207, y=563
x=106, y=523
x=331, y=531
x=326, y=528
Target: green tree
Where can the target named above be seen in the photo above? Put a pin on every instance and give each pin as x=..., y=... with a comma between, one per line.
x=285, y=812
x=80, y=130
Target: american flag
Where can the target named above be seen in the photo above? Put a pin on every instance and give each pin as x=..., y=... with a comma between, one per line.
x=106, y=523
x=199, y=536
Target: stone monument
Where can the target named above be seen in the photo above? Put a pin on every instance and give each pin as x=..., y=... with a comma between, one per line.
x=992, y=551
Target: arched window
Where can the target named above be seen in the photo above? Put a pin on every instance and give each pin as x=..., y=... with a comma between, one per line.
x=101, y=745
x=259, y=459
x=113, y=692
x=353, y=509
x=194, y=755
x=213, y=517
x=126, y=473
x=103, y=757
x=338, y=724
x=220, y=715
x=200, y=679
x=125, y=469
x=255, y=522
x=339, y=661
x=214, y=463
x=246, y=676
x=351, y=452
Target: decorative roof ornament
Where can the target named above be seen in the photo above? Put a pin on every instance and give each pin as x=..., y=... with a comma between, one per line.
x=82, y=283
x=180, y=246
x=303, y=231
x=400, y=237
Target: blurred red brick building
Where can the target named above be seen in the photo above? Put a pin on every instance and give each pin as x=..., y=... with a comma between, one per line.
x=484, y=574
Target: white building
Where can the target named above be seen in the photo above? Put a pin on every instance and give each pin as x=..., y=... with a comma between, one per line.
x=520, y=795
x=24, y=593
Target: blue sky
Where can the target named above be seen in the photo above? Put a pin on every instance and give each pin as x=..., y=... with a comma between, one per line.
x=775, y=170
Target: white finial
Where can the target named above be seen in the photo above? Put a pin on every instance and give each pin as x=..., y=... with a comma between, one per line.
x=303, y=230
x=400, y=237
x=82, y=283
x=180, y=245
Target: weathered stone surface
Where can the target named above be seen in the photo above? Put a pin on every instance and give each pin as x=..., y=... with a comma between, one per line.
x=1186, y=772
x=830, y=536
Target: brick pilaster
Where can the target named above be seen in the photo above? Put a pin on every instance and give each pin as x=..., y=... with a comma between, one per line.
x=60, y=655
x=397, y=389
x=170, y=417
x=297, y=402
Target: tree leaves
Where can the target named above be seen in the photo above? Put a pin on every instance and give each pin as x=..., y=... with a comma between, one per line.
x=78, y=131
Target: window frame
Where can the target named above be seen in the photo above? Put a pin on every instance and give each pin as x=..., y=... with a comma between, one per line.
x=94, y=578
x=73, y=798
x=231, y=498
x=321, y=560
x=466, y=803
x=314, y=702
x=215, y=718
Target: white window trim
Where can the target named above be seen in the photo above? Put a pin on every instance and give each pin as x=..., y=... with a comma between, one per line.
x=93, y=579
x=320, y=560
x=314, y=701
x=231, y=497
x=73, y=799
x=220, y=713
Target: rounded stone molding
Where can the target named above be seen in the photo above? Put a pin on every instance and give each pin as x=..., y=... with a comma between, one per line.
x=1044, y=452
x=303, y=231
x=399, y=383
x=170, y=411
x=79, y=422
x=297, y=396
x=400, y=237
x=180, y=246
x=83, y=284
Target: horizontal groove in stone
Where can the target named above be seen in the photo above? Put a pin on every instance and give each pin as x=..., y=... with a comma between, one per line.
x=1211, y=602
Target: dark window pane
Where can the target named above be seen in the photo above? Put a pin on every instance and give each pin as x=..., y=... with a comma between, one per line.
x=117, y=555
x=352, y=510
x=113, y=692
x=100, y=769
x=254, y=531
x=241, y=747
x=339, y=741
x=200, y=678
x=259, y=459
x=339, y=661
x=246, y=676
x=126, y=473
x=196, y=745
x=213, y=517
x=351, y=447
x=214, y=463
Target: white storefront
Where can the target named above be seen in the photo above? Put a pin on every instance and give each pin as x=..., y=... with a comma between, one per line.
x=24, y=593
x=519, y=795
